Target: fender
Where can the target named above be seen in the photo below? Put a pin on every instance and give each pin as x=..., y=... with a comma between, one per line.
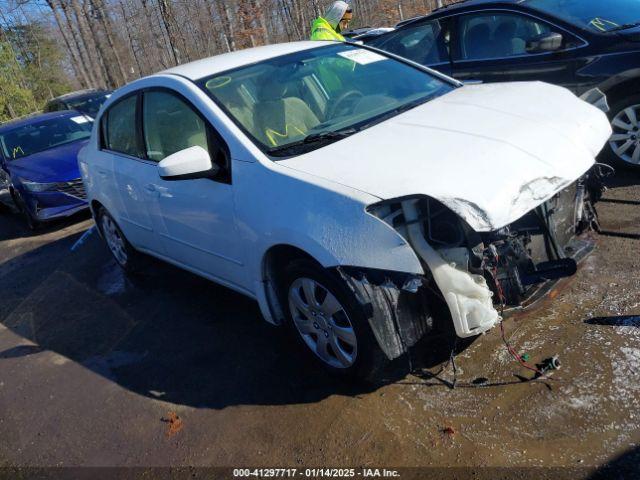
x=615, y=81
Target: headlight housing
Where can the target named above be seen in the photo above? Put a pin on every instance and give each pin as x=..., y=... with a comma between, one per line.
x=442, y=226
x=36, y=187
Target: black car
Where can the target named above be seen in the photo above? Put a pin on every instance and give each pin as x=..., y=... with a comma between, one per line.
x=83, y=101
x=580, y=44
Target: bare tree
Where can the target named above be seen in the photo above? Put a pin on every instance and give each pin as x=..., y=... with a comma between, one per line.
x=109, y=33
x=110, y=42
x=168, y=21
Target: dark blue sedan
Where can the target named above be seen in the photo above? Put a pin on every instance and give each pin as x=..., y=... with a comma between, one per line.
x=38, y=155
x=588, y=46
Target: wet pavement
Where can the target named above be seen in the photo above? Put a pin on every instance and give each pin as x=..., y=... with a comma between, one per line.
x=168, y=369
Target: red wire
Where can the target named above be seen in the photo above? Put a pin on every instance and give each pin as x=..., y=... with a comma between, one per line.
x=510, y=349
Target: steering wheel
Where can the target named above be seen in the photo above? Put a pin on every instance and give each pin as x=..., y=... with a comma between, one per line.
x=345, y=103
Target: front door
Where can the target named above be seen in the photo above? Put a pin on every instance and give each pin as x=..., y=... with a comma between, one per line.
x=492, y=47
x=195, y=219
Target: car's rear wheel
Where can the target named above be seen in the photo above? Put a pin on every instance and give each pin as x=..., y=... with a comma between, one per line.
x=330, y=323
x=122, y=251
x=624, y=144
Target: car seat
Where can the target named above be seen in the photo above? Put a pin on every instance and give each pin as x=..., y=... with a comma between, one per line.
x=505, y=42
x=279, y=119
x=229, y=95
x=477, y=42
x=176, y=128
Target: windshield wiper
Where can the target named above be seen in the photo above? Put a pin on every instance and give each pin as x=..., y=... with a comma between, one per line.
x=626, y=26
x=330, y=135
x=319, y=137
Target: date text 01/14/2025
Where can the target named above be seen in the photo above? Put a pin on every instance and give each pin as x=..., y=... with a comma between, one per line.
x=315, y=473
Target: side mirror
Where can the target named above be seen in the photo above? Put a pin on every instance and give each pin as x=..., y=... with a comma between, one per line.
x=190, y=163
x=546, y=42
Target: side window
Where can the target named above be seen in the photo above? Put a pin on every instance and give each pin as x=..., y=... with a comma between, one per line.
x=170, y=125
x=497, y=35
x=119, y=130
x=52, y=107
x=427, y=43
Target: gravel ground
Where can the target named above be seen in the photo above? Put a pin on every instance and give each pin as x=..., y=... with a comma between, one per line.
x=171, y=370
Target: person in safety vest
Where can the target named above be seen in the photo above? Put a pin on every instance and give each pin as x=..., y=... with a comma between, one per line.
x=335, y=20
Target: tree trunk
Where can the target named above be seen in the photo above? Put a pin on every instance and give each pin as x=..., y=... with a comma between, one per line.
x=102, y=57
x=87, y=42
x=160, y=49
x=77, y=64
x=107, y=25
x=168, y=21
x=134, y=54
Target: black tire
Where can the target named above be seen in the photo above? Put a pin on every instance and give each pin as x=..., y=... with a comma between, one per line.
x=369, y=359
x=32, y=222
x=610, y=156
x=133, y=261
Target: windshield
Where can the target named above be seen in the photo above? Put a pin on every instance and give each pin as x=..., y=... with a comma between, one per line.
x=296, y=103
x=88, y=105
x=39, y=136
x=598, y=15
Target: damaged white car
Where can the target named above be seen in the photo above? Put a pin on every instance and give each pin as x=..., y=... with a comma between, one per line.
x=350, y=193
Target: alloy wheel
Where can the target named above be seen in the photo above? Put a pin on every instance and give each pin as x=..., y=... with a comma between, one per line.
x=625, y=141
x=114, y=240
x=323, y=323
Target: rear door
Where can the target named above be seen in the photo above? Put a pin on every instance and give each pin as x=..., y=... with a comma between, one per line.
x=129, y=173
x=491, y=46
x=426, y=43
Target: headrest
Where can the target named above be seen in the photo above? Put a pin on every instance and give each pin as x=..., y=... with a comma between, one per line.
x=272, y=90
x=479, y=31
x=506, y=28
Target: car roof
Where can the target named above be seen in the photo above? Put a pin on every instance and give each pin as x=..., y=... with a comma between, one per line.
x=462, y=5
x=228, y=61
x=31, y=119
x=473, y=3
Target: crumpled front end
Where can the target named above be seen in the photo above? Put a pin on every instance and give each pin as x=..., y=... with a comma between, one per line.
x=480, y=274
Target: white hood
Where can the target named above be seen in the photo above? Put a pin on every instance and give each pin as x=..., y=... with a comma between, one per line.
x=489, y=152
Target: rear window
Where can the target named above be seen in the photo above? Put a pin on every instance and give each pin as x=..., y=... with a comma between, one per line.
x=89, y=105
x=44, y=135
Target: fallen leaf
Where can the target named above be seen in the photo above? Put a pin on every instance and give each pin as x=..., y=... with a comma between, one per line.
x=175, y=424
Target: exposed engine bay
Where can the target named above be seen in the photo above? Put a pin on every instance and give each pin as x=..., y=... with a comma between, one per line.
x=482, y=275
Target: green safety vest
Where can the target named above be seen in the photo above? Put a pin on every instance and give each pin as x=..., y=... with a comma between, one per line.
x=322, y=30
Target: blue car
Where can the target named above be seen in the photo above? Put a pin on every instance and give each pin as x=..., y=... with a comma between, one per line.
x=38, y=155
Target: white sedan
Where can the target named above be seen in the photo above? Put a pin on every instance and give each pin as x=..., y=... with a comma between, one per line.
x=359, y=198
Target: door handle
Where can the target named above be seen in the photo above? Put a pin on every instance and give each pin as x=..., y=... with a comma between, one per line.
x=102, y=173
x=472, y=81
x=151, y=189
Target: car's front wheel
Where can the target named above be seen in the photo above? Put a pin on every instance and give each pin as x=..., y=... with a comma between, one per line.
x=330, y=323
x=624, y=144
x=123, y=252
